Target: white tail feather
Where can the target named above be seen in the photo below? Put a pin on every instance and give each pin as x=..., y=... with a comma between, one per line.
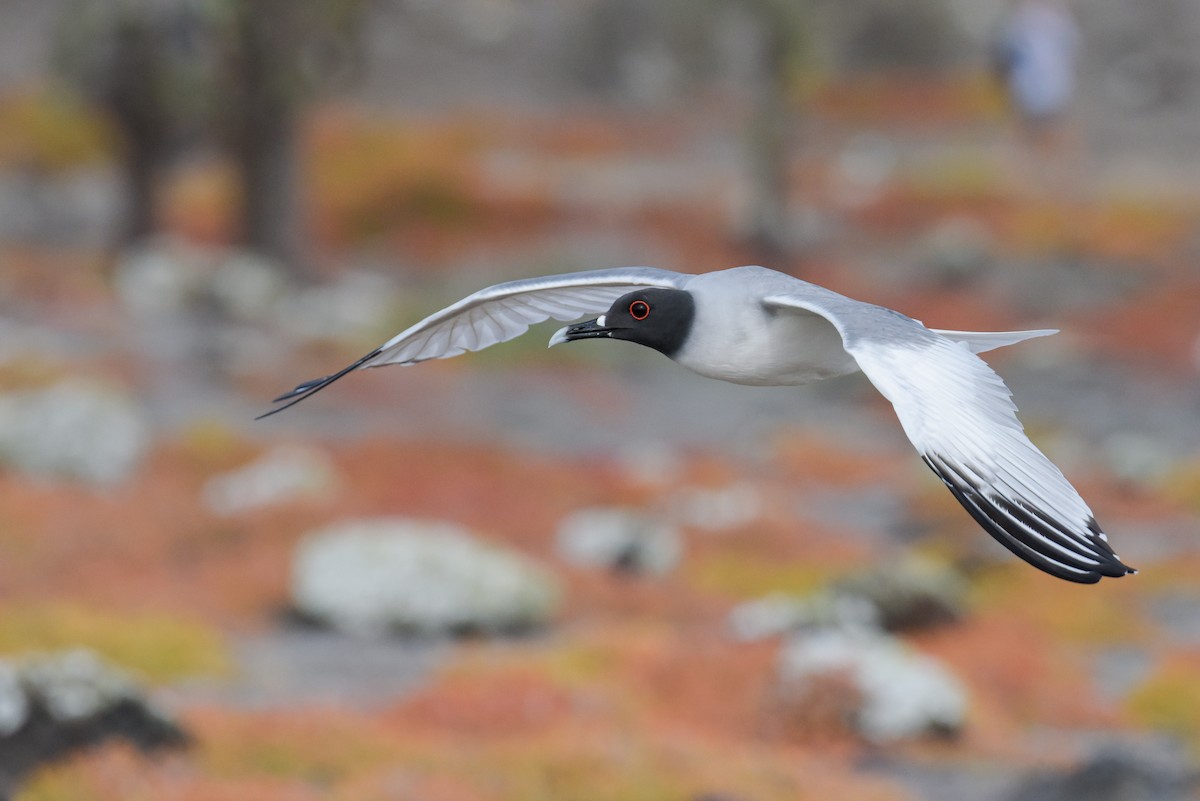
x=981, y=341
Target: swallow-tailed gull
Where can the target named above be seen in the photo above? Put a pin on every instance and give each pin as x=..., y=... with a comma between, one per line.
x=752, y=325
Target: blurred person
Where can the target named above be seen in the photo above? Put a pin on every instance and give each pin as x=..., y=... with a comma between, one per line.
x=1036, y=60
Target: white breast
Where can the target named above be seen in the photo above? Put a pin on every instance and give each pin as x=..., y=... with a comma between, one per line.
x=734, y=338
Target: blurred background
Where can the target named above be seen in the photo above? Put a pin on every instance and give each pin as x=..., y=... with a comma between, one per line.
x=586, y=574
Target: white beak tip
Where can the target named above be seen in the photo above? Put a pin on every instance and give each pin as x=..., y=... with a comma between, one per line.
x=560, y=336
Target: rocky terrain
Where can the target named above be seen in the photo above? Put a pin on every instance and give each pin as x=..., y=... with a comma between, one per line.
x=584, y=574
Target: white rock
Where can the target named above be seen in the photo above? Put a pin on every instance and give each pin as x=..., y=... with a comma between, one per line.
x=247, y=285
x=904, y=693
x=355, y=306
x=374, y=576
x=75, y=684
x=69, y=685
x=766, y=617
x=622, y=539
x=283, y=474
x=863, y=169
x=166, y=276
x=159, y=277
x=721, y=509
x=650, y=462
x=56, y=703
x=14, y=705
x=780, y=613
x=74, y=429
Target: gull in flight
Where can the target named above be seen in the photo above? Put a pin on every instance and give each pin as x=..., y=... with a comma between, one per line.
x=752, y=325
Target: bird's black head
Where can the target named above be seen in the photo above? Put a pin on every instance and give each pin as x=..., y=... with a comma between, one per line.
x=657, y=318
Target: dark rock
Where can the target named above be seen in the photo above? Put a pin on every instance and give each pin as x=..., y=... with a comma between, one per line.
x=1112, y=775
x=58, y=704
x=622, y=540
x=909, y=594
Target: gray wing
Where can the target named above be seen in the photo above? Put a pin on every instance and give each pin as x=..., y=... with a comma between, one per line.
x=960, y=417
x=497, y=314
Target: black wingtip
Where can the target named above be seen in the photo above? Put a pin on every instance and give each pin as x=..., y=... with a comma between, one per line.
x=300, y=388
x=308, y=388
x=1114, y=563
x=1028, y=532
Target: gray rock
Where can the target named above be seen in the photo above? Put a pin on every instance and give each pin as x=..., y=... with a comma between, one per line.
x=618, y=539
x=358, y=305
x=61, y=207
x=283, y=474
x=902, y=693
x=908, y=594
x=1114, y=775
x=74, y=685
x=14, y=704
x=165, y=276
x=54, y=704
x=371, y=577
x=955, y=252
x=716, y=509
x=768, y=616
x=863, y=169
x=287, y=666
x=160, y=277
x=911, y=593
x=74, y=430
x=650, y=462
x=247, y=286
x=780, y=613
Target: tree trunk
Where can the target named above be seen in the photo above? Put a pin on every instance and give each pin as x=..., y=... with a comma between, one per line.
x=266, y=166
x=133, y=98
x=767, y=145
x=264, y=131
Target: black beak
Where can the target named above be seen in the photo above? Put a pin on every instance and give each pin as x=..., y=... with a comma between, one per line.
x=590, y=329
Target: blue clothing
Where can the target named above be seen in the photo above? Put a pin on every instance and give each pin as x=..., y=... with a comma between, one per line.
x=1039, y=47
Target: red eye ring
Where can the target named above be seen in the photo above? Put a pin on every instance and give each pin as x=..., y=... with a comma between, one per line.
x=639, y=310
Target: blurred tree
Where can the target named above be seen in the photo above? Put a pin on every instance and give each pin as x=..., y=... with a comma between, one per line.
x=273, y=56
x=137, y=109
x=912, y=35
x=125, y=56
x=175, y=75
x=644, y=52
x=780, y=32
x=647, y=51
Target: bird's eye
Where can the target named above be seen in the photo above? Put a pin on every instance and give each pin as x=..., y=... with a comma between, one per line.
x=639, y=310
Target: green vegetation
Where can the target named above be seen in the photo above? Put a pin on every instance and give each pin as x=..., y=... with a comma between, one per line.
x=373, y=175
x=748, y=576
x=51, y=130
x=322, y=752
x=1170, y=701
x=158, y=647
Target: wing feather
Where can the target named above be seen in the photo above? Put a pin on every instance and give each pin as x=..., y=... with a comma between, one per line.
x=497, y=314
x=961, y=418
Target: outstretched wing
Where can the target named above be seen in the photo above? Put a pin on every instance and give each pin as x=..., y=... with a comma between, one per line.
x=497, y=314
x=961, y=418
